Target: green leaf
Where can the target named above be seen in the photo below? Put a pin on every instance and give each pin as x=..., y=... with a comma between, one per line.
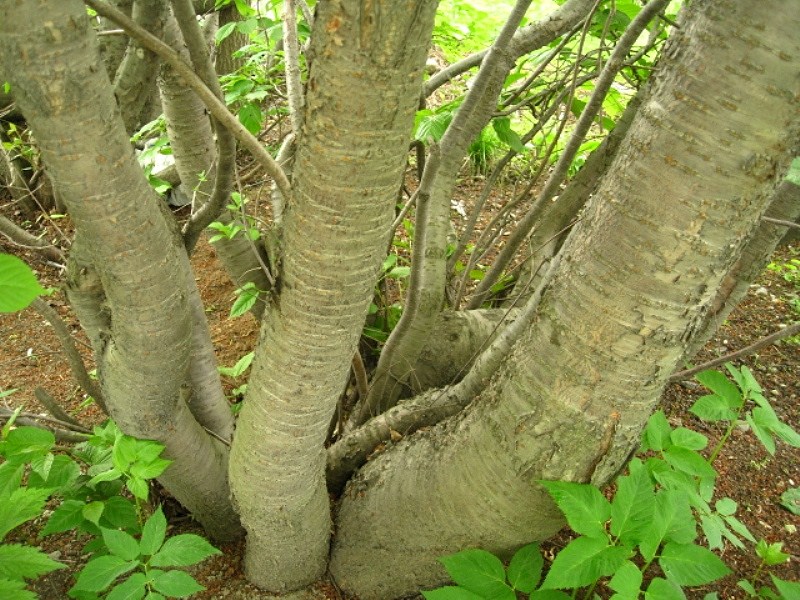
x=182, y=551
x=747, y=587
x=224, y=31
x=100, y=572
x=18, y=562
x=27, y=443
x=632, y=507
x=120, y=543
x=67, y=516
x=10, y=477
x=451, y=592
x=656, y=434
x=790, y=500
x=689, y=564
x=726, y=506
x=121, y=513
x=245, y=299
x=93, y=511
x=502, y=127
x=23, y=504
x=721, y=386
x=480, y=572
x=739, y=528
x=18, y=285
x=672, y=521
x=583, y=561
x=138, y=487
x=153, y=532
x=788, y=589
x=525, y=568
x=787, y=434
x=762, y=433
x=627, y=580
x=176, y=584
x=150, y=470
x=793, y=175
x=689, y=462
x=686, y=438
x=771, y=554
x=399, y=272
x=712, y=526
x=585, y=508
x=15, y=590
x=63, y=472
x=250, y=116
x=133, y=588
x=661, y=589
x=713, y=408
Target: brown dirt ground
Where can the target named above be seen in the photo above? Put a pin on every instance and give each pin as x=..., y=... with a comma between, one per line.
x=30, y=357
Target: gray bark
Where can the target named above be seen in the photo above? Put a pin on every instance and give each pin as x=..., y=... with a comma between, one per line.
x=350, y=158
x=144, y=352
x=639, y=272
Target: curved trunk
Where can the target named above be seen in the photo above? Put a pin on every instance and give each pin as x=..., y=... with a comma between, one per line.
x=143, y=353
x=638, y=274
x=349, y=162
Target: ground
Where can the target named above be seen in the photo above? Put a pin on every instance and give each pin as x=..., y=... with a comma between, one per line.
x=30, y=356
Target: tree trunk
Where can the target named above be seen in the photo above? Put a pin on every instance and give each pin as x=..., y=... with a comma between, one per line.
x=143, y=337
x=638, y=274
x=349, y=162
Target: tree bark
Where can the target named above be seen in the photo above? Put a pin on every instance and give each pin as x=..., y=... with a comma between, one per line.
x=639, y=272
x=350, y=159
x=63, y=90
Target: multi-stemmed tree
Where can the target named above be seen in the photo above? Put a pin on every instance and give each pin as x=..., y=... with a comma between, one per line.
x=625, y=269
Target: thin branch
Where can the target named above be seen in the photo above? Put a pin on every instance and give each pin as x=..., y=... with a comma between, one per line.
x=214, y=105
x=7, y=412
x=22, y=238
x=53, y=407
x=307, y=14
x=360, y=373
x=584, y=122
x=788, y=331
x=73, y=357
x=781, y=222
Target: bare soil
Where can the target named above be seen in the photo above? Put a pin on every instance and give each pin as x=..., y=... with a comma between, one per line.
x=30, y=356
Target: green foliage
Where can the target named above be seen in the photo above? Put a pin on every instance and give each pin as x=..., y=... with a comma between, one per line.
x=651, y=519
x=88, y=483
x=18, y=284
x=790, y=500
x=246, y=297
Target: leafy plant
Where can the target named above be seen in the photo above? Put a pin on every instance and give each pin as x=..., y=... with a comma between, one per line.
x=651, y=519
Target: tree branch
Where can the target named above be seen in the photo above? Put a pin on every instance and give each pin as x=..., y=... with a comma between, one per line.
x=214, y=105
x=22, y=238
x=788, y=331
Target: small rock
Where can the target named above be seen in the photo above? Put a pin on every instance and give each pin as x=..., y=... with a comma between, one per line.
x=761, y=291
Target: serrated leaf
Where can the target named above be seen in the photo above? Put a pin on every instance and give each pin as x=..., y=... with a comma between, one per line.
x=153, y=532
x=138, y=487
x=761, y=433
x=713, y=408
x=627, y=580
x=740, y=528
x=150, y=470
x=583, y=561
x=632, y=507
x=689, y=564
x=224, y=31
x=721, y=386
x=183, y=550
x=15, y=590
x=23, y=504
x=771, y=554
x=244, y=301
x=62, y=473
x=788, y=589
x=525, y=568
x=451, y=592
x=399, y=272
x=686, y=438
x=661, y=589
x=502, y=127
x=133, y=588
x=100, y=572
x=478, y=571
x=549, y=595
x=726, y=506
x=656, y=433
x=24, y=562
x=18, y=284
x=689, y=462
x=712, y=526
x=120, y=543
x=27, y=443
x=672, y=521
x=176, y=584
x=251, y=117
x=585, y=508
x=93, y=511
x=67, y=516
x=787, y=434
x=120, y=512
x=10, y=477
